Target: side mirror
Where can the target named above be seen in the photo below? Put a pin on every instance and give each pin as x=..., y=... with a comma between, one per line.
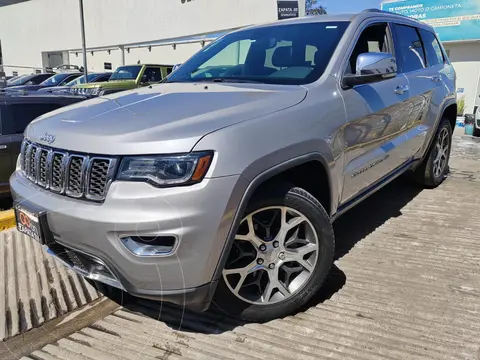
x=372, y=67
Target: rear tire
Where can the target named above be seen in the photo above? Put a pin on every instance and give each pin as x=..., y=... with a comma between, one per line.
x=434, y=167
x=476, y=132
x=282, y=226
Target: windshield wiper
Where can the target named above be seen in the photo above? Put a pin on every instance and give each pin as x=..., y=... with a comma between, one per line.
x=228, y=80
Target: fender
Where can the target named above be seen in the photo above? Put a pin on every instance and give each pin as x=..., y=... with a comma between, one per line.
x=254, y=185
x=448, y=102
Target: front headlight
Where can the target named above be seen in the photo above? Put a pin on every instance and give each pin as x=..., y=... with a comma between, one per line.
x=166, y=170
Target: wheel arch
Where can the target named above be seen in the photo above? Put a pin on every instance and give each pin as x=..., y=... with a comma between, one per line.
x=284, y=171
x=448, y=110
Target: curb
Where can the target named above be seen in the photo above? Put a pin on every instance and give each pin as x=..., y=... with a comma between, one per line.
x=7, y=220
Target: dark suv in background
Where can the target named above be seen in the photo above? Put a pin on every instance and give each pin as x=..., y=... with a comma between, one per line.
x=52, y=81
x=32, y=79
x=16, y=112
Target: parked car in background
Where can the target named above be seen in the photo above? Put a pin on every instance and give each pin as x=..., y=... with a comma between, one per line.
x=67, y=68
x=221, y=183
x=65, y=89
x=3, y=79
x=125, y=78
x=32, y=79
x=16, y=112
x=476, y=123
x=54, y=80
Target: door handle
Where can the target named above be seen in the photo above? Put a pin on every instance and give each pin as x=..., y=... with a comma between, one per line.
x=401, y=89
x=436, y=78
x=3, y=147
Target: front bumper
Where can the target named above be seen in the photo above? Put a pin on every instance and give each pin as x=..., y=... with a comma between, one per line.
x=198, y=216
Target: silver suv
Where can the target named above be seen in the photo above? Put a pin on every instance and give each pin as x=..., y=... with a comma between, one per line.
x=221, y=184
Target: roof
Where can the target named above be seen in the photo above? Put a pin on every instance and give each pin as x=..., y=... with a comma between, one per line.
x=146, y=65
x=369, y=13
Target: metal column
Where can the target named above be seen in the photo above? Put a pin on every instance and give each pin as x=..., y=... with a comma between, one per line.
x=82, y=25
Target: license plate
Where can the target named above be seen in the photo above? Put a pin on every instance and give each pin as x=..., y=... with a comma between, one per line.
x=28, y=223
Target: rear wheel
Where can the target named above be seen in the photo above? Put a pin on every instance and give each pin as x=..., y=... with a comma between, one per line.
x=280, y=257
x=434, y=168
x=476, y=131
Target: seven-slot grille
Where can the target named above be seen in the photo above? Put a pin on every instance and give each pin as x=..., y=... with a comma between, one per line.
x=75, y=175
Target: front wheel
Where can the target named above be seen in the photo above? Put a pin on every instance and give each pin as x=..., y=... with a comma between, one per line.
x=281, y=255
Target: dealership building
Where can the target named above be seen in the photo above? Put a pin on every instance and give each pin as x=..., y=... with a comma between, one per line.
x=457, y=24
x=40, y=34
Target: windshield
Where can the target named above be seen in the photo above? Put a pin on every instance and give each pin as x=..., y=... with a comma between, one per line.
x=126, y=73
x=282, y=54
x=19, y=81
x=54, y=80
x=81, y=80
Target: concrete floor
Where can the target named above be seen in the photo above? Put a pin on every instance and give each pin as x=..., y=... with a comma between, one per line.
x=405, y=285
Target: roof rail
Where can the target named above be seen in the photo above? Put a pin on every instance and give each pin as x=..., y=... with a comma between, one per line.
x=378, y=10
x=385, y=12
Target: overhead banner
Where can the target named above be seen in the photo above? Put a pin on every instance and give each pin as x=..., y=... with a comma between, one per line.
x=453, y=20
x=287, y=9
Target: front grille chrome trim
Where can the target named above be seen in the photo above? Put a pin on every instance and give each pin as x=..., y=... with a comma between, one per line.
x=57, y=171
x=89, y=193
x=60, y=176
x=69, y=177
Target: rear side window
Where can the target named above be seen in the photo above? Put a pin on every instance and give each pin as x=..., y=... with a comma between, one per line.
x=152, y=74
x=40, y=78
x=18, y=116
x=432, y=48
x=409, y=49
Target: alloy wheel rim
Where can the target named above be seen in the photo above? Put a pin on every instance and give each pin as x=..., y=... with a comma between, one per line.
x=274, y=254
x=441, y=153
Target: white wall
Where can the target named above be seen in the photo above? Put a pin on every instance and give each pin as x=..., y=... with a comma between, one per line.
x=465, y=58
x=55, y=26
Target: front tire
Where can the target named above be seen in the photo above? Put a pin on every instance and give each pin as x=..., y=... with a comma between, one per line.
x=434, y=167
x=281, y=255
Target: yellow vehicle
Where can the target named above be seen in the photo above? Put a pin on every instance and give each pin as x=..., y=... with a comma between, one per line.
x=125, y=78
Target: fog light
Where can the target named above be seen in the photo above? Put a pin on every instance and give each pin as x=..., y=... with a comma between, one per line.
x=149, y=245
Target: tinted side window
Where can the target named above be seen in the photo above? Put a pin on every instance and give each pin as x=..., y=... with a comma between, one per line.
x=40, y=78
x=20, y=115
x=410, y=52
x=432, y=48
x=103, y=78
x=373, y=39
x=69, y=78
x=152, y=74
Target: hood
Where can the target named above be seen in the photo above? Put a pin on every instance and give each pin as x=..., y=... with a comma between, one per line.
x=25, y=87
x=53, y=89
x=114, y=84
x=166, y=118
